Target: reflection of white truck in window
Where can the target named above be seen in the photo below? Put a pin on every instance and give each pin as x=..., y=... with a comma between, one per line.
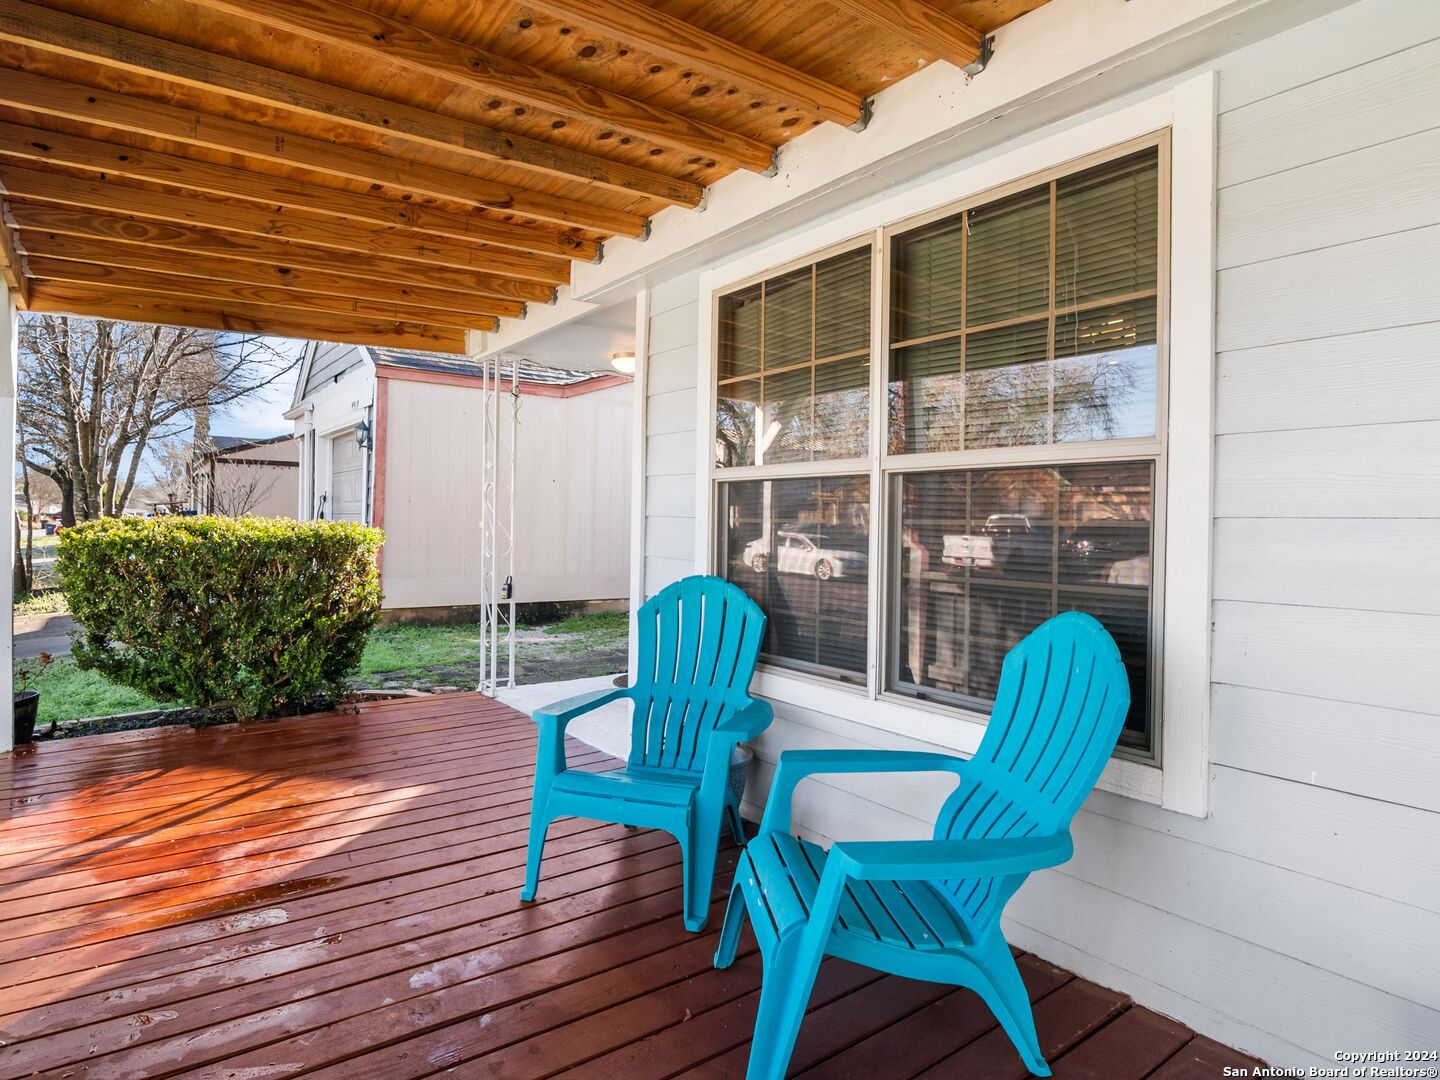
x=977, y=550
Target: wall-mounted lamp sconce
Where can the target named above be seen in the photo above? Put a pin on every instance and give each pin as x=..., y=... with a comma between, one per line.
x=362, y=435
x=623, y=362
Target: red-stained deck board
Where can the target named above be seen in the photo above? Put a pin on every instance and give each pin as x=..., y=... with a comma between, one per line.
x=336, y=896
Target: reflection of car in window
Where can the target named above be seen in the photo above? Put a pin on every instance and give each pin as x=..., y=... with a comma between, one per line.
x=822, y=555
x=1117, y=552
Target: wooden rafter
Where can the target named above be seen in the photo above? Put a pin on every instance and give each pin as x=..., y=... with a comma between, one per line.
x=415, y=49
x=57, y=148
x=34, y=185
x=101, y=303
x=13, y=263
x=922, y=24
x=107, y=109
x=673, y=39
x=41, y=28
x=158, y=260
x=93, y=225
x=76, y=273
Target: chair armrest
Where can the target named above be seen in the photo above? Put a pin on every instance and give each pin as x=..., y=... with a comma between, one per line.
x=552, y=720
x=933, y=860
x=796, y=765
x=560, y=713
x=746, y=723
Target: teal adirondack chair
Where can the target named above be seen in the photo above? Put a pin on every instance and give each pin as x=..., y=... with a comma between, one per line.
x=930, y=909
x=699, y=639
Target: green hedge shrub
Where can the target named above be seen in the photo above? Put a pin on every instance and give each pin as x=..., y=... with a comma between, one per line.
x=262, y=614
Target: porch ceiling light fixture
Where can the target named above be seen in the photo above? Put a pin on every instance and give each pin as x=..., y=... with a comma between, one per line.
x=362, y=435
x=623, y=362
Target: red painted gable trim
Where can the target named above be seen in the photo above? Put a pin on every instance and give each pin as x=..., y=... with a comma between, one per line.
x=448, y=378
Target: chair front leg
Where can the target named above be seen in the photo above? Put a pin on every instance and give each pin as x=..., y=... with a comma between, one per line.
x=790, y=972
x=535, y=849
x=699, y=855
x=735, y=912
x=1009, y=1000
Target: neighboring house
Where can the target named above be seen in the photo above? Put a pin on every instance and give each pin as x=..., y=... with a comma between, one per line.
x=414, y=471
x=239, y=476
x=1159, y=345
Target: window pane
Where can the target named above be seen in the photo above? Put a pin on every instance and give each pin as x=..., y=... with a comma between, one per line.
x=1035, y=369
x=800, y=548
x=1107, y=225
x=740, y=333
x=842, y=408
x=842, y=304
x=927, y=398
x=925, y=282
x=789, y=319
x=984, y=556
x=737, y=420
x=1007, y=386
x=1008, y=268
x=1105, y=373
x=806, y=335
x=789, y=421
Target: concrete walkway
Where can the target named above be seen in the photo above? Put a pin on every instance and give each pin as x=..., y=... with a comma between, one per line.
x=43, y=633
x=607, y=728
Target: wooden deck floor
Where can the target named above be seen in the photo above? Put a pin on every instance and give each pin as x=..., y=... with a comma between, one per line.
x=336, y=896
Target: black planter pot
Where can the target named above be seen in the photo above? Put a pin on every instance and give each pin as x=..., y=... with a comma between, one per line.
x=27, y=704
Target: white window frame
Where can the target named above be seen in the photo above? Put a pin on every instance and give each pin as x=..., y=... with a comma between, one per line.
x=1187, y=110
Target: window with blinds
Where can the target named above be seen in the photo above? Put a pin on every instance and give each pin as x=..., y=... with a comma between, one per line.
x=983, y=556
x=794, y=366
x=801, y=548
x=1030, y=320
x=1025, y=336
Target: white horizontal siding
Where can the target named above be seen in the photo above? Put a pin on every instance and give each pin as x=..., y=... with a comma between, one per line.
x=1378, y=377
x=1366, y=750
x=1378, y=470
x=670, y=467
x=1374, y=191
x=1361, y=563
x=1389, y=98
x=1369, y=284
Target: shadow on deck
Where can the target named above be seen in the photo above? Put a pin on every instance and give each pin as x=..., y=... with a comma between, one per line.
x=336, y=895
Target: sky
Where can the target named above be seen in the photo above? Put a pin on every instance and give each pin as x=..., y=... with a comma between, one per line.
x=257, y=415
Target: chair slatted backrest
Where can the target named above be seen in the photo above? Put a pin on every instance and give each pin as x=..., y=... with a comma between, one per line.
x=699, y=639
x=1061, y=703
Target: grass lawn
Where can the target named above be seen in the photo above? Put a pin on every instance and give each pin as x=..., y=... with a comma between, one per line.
x=49, y=602
x=396, y=657
x=67, y=693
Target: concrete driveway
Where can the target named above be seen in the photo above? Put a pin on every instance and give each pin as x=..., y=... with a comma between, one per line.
x=43, y=633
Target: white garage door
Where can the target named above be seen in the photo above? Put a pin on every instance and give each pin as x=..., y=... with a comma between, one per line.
x=347, y=479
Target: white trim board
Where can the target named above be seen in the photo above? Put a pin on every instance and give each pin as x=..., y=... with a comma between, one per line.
x=1188, y=110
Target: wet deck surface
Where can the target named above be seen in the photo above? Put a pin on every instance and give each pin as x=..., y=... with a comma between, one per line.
x=337, y=896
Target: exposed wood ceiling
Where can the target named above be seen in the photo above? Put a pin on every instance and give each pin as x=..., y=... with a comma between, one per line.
x=397, y=172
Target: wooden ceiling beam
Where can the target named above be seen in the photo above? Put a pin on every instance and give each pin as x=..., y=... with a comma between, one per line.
x=922, y=25
x=400, y=43
x=57, y=32
x=633, y=22
x=108, y=109
x=98, y=302
x=57, y=148
x=54, y=246
x=225, y=292
x=116, y=197
x=67, y=221
x=12, y=263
